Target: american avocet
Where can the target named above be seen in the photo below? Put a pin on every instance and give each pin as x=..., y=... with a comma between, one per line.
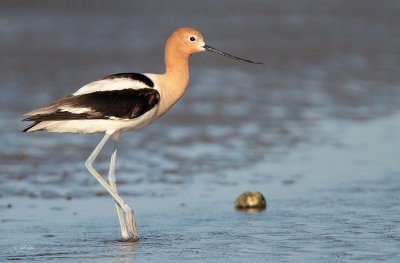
x=121, y=102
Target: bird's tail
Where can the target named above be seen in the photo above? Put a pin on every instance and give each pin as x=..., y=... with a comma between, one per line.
x=31, y=127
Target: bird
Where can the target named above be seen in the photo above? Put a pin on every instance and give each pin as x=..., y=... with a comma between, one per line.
x=123, y=102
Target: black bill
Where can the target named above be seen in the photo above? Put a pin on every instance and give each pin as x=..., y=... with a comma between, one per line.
x=214, y=50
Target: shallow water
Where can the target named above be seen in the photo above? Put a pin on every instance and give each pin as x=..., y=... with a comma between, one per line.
x=315, y=130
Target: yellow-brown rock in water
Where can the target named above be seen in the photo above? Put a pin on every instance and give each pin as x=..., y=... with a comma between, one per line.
x=251, y=201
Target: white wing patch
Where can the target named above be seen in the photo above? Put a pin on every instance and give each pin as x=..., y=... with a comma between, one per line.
x=110, y=84
x=75, y=110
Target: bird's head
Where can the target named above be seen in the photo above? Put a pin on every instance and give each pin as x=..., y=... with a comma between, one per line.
x=188, y=40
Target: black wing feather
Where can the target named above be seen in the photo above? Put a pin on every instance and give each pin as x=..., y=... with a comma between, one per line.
x=111, y=104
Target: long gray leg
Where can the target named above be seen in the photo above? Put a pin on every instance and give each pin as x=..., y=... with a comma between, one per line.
x=113, y=183
x=129, y=217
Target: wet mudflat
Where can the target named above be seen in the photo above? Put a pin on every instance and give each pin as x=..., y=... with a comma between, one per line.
x=315, y=130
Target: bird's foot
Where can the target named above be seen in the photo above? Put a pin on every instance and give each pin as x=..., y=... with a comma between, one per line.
x=130, y=223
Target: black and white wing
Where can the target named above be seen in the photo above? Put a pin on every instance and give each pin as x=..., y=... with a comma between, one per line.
x=121, y=96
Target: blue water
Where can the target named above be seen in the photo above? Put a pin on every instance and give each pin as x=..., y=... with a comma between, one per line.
x=315, y=130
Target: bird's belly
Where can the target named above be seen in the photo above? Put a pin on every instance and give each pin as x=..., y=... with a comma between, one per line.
x=97, y=125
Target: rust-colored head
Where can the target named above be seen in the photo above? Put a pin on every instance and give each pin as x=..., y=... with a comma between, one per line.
x=186, y=41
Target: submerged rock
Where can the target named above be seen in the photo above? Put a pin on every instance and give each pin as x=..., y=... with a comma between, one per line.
x=251, y=201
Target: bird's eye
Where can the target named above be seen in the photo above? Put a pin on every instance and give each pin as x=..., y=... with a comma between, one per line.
x=192, y=39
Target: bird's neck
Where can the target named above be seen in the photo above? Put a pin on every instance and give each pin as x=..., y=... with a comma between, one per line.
x=176, y=78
